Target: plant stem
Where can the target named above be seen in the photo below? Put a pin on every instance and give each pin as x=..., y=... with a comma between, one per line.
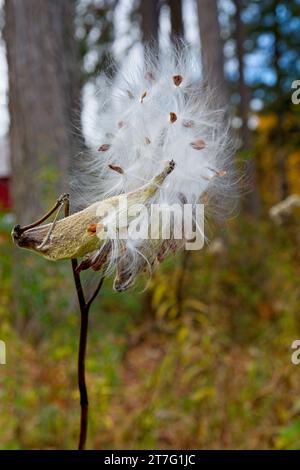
x=81, y=379
x=84, y=320
x=84, y=323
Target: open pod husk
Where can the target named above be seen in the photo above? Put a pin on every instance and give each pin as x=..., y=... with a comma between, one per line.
x=71, y=237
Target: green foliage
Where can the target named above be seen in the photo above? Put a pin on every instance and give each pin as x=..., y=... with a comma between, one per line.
x=204, y=364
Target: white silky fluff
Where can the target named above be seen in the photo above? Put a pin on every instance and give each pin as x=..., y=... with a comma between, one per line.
x=135, y=122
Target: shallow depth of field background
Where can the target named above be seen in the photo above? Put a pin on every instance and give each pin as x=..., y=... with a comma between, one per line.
x=202, y=359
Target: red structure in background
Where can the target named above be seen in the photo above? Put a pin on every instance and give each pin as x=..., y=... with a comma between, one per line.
x=5, y=200
x=5, y=173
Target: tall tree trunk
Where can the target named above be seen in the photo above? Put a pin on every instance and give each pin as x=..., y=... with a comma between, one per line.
x=150, y=20
x=251, y=201
x=212, y=50
x=44, y=97
x=176, y=19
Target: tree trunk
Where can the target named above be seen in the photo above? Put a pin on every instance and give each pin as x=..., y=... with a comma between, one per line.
x=212, y=50
x=150, y=20
x=176, y=19
x=44, y=98
x=251, y=201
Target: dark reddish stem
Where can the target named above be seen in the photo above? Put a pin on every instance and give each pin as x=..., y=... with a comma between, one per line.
x=84, y=323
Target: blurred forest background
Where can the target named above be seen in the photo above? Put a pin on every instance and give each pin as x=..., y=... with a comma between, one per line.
x=202, y=359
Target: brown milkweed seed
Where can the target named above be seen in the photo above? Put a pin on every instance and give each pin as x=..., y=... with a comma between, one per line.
x=221, y=173
x=143, y=96
x=172, y=117
x=188, y=123
x=198, y=144
x=103, y=148
x=118, y=169
x=204, y=199
x=150, y=76
x=177, y=79
x=92, y=229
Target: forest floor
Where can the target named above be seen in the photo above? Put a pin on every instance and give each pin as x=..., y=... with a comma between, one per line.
x=204, y=364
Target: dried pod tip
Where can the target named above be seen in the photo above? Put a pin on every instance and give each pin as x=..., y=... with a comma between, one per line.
x=103, y=148
x=172, y=117
x=177, y=79
x=118, y=169
x=143, y=96
x=198, y=144
x=92, y=229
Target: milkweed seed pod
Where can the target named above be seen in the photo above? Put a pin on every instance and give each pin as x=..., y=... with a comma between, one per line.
x=157, y=142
